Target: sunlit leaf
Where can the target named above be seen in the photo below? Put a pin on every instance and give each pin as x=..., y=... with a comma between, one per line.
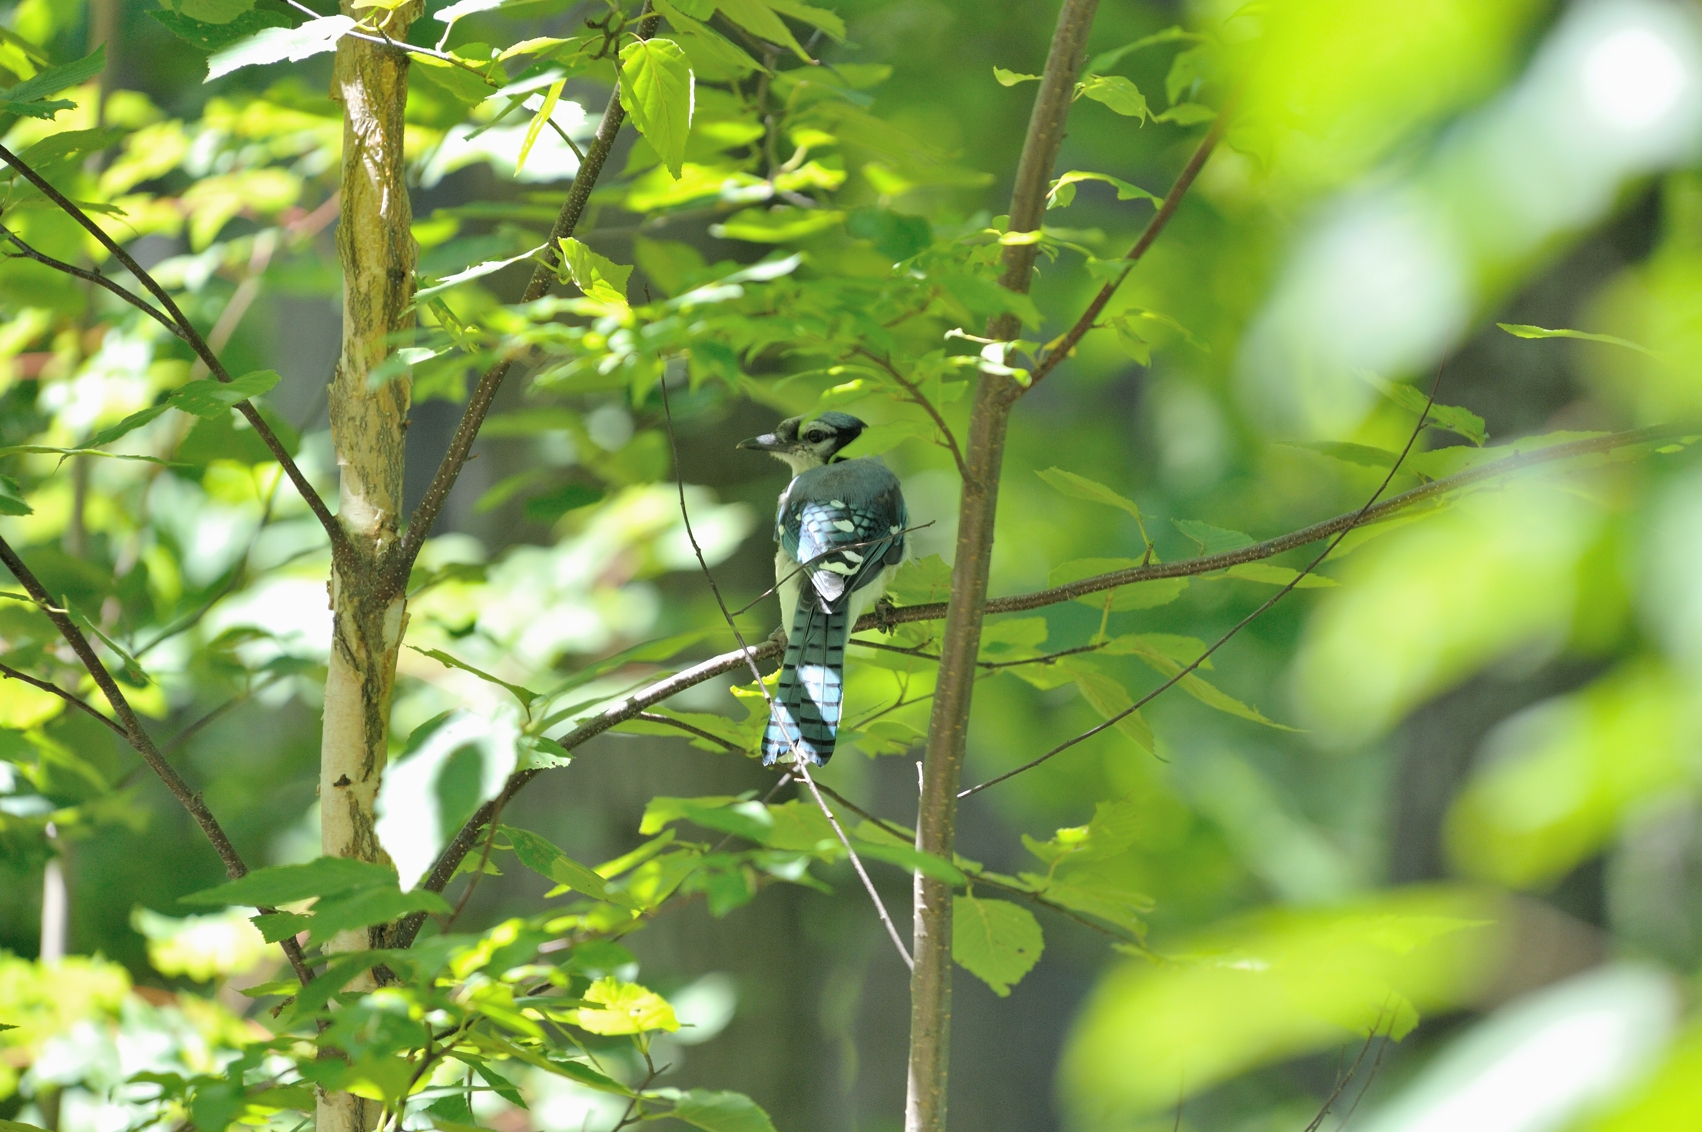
x=1083, y=488
x=657, y=91
x=599, y=277
x=1012, y=78
x=1521, y=331
x=273, y=45
x=1063, y=190
x=720, y=1111
x=209, y=398
x=624, y=1008
x=285, y=884
x=995, y=940
x=551, y=97
x=1117, y=93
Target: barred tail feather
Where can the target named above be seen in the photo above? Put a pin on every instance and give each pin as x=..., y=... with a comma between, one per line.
x=810, y=698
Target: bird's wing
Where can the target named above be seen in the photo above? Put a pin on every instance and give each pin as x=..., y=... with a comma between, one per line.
x=844, y=544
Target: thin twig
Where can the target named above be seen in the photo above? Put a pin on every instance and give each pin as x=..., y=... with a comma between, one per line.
x=473, y=881
x=917, y=397
x=484, y=393
x=1423, y=419
x=799, y=761
x=333, y=529
x=1066, y=343
x=10, y=673
x=95, y=277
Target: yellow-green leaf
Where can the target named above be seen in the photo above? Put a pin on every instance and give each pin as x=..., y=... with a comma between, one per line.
x=657, y=91
x=598, y=276
x=995, y=940
x=624, y=1008
x=551, y=97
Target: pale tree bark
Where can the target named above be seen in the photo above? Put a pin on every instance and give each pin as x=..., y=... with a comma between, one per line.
x=376, y=247
x=948, y=724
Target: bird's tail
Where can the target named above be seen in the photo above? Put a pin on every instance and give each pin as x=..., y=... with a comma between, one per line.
x=810, y=698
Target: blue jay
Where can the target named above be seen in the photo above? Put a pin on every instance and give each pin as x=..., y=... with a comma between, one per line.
x=841, y=529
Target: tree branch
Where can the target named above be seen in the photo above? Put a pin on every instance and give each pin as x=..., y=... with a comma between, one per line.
x=197, y=343
x=1183, y=673
x=479, y=404
x=137, y=737
x=927, y=406
x=960, y=640
x=95, y=277
x=1064, y=345
x=10, y=673
x=635, y=705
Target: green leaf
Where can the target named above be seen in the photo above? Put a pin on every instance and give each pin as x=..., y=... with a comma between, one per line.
x=284, y=884
x=1187, y=114
x=1133, y=344
x=656, y=90
x=211, y=37
x=906, y=857
x=1109, y=698
x=776, y=225
x=212, y=399
x=1464, y=422
x=551, y=97
x=1063, y=190
x=599, y=277
x=720, y=1112
x=277, y=926
x=921, y=581
x=12, y=500
x=995, y=940
x=1012, y=78
x=365, y=907
x=759, y=19
x=477, y=271
x=624, y=1008
x=1106, y=60
x=556, y=502
x=827, y=21
x=20, y=1126
x=1210, y=539
x=541, y=856
x=1080, y=487
x=745, y=818
x=273, y=45
x=1521, y=331
x=129, y=424
x=19, y=99
x=1117, y=93
x=524, y=695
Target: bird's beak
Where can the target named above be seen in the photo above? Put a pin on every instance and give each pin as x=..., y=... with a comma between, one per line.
x=767, y=442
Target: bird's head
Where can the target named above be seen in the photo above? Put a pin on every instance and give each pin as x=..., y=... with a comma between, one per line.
x=803, y=446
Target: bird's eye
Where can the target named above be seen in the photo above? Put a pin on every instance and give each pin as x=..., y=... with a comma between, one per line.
x=815, y=437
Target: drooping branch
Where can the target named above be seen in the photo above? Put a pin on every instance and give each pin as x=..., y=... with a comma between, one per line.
x=135, y=734
x=197, y=342
x=637, y=703
x=484, y=393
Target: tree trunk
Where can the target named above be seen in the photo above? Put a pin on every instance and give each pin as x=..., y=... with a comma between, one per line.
x=948, y=723
x=376, y=247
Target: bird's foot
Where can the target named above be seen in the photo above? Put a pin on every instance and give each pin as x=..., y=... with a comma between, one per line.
x=778, y=637
x=883, y=611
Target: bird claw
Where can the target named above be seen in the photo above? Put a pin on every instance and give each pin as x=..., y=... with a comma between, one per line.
x=779, y=635
x=883, y=612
